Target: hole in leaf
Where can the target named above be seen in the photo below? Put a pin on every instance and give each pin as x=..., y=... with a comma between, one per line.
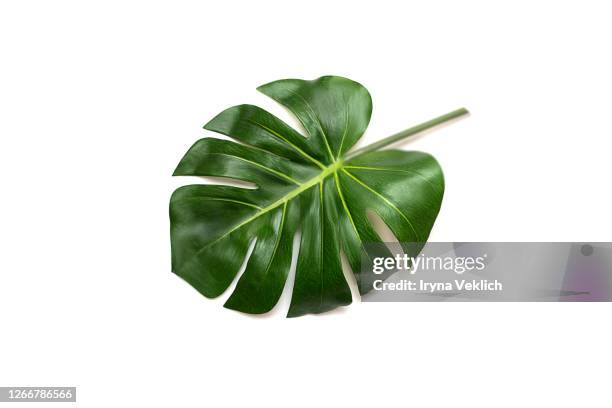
x=226, y=181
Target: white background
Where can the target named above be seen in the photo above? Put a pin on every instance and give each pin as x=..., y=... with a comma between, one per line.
x=100, y=100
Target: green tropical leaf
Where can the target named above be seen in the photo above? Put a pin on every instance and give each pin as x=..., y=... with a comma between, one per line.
x=304, y=183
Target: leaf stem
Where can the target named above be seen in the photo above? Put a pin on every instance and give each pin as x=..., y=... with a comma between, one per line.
x=408, y=132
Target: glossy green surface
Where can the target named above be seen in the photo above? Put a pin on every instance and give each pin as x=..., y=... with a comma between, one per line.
x=303, y=184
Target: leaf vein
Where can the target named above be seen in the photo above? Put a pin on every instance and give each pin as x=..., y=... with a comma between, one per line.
x=389, y=203
x=275, y=172
x=296, y=148
x=220, y=199
x=317, y=121
x=435, y=186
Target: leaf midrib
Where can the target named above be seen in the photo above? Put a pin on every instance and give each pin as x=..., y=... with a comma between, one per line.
x=328, y=171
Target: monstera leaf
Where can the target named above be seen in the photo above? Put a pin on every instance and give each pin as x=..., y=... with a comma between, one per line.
x=305, y=183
